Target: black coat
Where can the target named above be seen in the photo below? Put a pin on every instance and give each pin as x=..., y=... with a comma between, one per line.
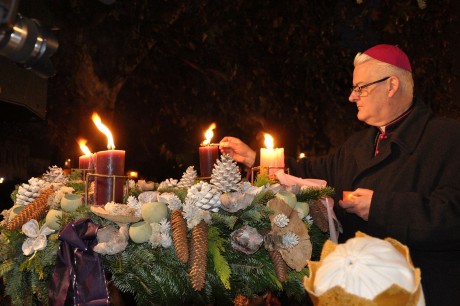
x=416, y=200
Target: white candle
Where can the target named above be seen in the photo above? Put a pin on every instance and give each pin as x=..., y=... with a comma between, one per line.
x=271, y=157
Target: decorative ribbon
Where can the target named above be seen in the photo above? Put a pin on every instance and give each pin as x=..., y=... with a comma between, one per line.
x=79, y=270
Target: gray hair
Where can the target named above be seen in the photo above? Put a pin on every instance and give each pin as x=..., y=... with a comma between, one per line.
x=404, y=76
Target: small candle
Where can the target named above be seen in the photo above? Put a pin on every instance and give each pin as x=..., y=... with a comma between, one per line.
x=347, y=195
x=208, y=153
x=132, y=174
x=110, y=170
x=85, y=161
x=271, y=157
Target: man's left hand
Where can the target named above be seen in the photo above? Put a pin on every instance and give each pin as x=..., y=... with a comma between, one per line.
x=359, y=203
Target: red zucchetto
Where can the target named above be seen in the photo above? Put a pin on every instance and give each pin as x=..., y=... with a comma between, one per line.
x=390, y=54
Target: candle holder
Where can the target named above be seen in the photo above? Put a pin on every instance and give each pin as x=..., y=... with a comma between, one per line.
x=84, y=172
x=112, y=182
x=266, y=170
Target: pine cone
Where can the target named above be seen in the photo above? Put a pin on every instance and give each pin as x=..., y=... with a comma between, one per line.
x=241, y=300
x=188, y=178
x=55, y=174
x=36, y=210
x=205, y=196
x=28, y=192
x=280, y=265
x=179, y=235
x=168, y=183
x=199, y=255
x=319, y=214
x=226, y=174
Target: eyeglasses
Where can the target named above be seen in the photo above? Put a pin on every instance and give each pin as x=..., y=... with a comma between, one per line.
x=358, y=90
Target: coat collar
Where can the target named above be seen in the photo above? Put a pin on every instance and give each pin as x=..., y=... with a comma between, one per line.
x=406, y=136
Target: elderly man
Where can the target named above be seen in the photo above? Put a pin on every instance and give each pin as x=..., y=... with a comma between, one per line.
x=404, y=171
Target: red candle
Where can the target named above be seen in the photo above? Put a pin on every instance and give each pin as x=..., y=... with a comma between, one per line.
x=109, y=182
x=86, y=162
x=208, y=153
x=110, y=169
x=208, y=157
x=83, y=162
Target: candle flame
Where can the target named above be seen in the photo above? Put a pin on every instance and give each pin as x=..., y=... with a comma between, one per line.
x=132, y=174
x=268, y=141
x=209, y=134
x=83, y=147
x=98, y=122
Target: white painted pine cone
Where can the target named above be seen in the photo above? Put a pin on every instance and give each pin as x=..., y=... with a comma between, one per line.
x=226, y=174
x=188, y=178
x=28, y=192
x=205, y=196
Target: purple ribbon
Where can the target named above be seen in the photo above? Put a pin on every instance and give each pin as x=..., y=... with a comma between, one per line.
x=78, y=268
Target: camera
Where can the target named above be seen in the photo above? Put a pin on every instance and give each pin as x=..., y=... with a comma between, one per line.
x=25, y=41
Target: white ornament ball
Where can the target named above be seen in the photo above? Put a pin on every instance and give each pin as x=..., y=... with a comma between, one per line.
x=52, y=219
x=154, y=212
x=140, y=232
x=70, y=202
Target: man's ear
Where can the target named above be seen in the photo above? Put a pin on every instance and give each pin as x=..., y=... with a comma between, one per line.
x=393, y=86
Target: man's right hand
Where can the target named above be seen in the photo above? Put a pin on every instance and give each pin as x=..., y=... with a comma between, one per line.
x=238, y=150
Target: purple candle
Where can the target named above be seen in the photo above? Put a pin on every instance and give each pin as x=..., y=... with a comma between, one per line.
x=85, y=161
x=108, y=187
x=110, y=170
x=208, y=157
x=208, y=153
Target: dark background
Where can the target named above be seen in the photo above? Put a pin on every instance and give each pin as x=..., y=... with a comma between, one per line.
x=160, y=72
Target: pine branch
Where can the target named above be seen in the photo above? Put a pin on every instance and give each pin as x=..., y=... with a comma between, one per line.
x=253, y=274
x=257, y=216
x=263, y=197
x=216, y=246
x=226, y=219
x=181, y=193
x=317, y=238
x=6, y=267
x=17, y=287
x=149, y=274
x=314, y=193
x=294, y=286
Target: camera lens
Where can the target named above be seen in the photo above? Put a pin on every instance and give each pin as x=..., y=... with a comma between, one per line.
x=30, y=44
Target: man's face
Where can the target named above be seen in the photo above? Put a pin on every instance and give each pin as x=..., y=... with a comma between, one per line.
x=373, y=104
